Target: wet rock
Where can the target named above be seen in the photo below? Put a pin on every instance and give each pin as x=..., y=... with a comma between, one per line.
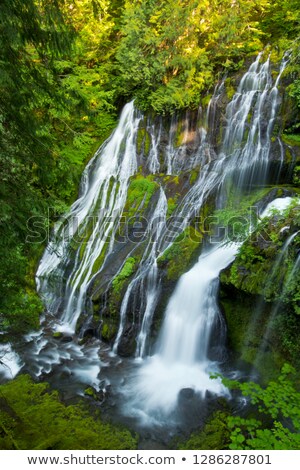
x=284, y=232
x=89, y=333
x=209, y=395
x=262, y=243
x=186, y=393
x=95, y=394
x=67, y=339
x=127, y=343
x=150, y=444
x=57, y=335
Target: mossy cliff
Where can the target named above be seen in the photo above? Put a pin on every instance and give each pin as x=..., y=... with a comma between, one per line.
x=166, y=149
x=260, y=293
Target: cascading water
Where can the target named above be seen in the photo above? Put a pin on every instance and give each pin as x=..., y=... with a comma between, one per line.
x=103, y=196
x=86, y=240
x=147, y=273
x=181, y=359
x=10, y=362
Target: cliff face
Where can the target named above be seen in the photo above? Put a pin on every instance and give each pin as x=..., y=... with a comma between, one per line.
x=181, y=146
x=260, y=293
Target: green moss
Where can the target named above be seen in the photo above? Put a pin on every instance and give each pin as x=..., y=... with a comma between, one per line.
x=238, y=309
x=291, y=139
x=178, y=257
x=140, y=140
x=147, y=143
x=169, y=179
x=214, y=436
x=90, y=392
x=127, y=270
x=57, y=334
x=109, y=330
x=245, y=327
x=99, y=261
x=172, y=204
x=261, y=287
x=230, y=89
x=143, y=141
x=140, y=191
x=194, y=174
x=83, y=236
x=33, y=417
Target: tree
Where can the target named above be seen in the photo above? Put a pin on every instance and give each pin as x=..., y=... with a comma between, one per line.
x=33, y=35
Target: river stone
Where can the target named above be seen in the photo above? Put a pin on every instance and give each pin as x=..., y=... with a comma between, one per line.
x=67, y=339
x=186, y=393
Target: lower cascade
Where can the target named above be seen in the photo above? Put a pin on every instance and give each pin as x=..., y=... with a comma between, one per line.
x=117, y=317
x=181, y=359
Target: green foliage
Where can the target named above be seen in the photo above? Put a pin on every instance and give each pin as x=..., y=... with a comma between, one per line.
x=283, y=20
x=139, y=194
x=294, y=92
x=254, y=269
x=239, y=214
x=177, y=258
x=278, y=409
x=24, y=310
x=54, y=113
x=214, y=436
x=127, y=270
x=172, y=204
x=170, y=52
x=33, y=417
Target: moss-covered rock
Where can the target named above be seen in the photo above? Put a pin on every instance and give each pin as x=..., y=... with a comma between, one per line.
x=140, y=192
x=57, y=335
x=214, y=436
x=109, y=329
x=33, y=417
x=260, y=291
x=255, y=270
x=143, y=142
x=127, y=271
x=176, y=259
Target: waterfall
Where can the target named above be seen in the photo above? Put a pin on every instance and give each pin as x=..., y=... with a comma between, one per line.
x=147, y=273
x=182, y=360
x=86, y=236
x=10, y=362
x=241, y=157
x=86, y=240
x=93, y=219
x=196, y=292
